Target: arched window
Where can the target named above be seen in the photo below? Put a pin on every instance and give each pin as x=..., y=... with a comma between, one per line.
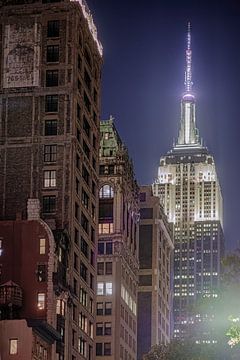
x=106, y=192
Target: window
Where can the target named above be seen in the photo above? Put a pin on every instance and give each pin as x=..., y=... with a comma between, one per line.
x=42, y=246
x=99, y=349
x=75, y=262
x=88, y=57
x=99, y=329
x=84, y=223
x=83, y=271
x=86, y=149
x=82, y=346
x=106, y=192
x=108, y=270
x=83, y=297
x=100, y=268
x=86, y=126
x=53, y=28
x=41, y=273
x=13, y=346
x=91, y=328
x=76, y=211
x=100, y=248
x=108, y=288
x=50, y=127
x=41, y=301
x=107, y=349
x=51, y=78
x=100, y=288
x=109, y=247
x=52, y=53
x=99, y=308
x=85, y=199
x=60, y=308
x=84, y=247
x=50, y=153
x=87, y=80
x=49, y=204
x=92, y=234
x=51, y=103
x=91, y=283
x=49, y=178
x=85, y=174
x=106, y=228
x=108, y=328
x=108, y=308
x=87, y=102
x=83, y=322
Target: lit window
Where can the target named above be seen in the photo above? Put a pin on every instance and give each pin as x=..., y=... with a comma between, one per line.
x=49, y=178
x=108, y=288
x=41, y=301
x=100, y=288
x=42, y=246
x=106, y=192
x=13, y=346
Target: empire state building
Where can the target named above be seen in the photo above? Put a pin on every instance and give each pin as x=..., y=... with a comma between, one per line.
x=189, y=191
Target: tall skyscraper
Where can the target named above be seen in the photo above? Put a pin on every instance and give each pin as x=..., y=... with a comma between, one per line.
x=117, y=261
x=190, y=193
x=155, y=270
x=49, y=141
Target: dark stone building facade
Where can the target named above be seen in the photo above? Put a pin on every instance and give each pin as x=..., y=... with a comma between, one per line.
x=49, y=139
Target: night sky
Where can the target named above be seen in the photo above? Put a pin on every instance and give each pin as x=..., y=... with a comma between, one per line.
x=143, y=81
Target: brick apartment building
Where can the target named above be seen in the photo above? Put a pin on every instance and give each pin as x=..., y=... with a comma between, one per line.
x=49, y=141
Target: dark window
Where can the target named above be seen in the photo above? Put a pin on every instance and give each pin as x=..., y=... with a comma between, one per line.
x=75, y=262
x=101, y=248
x=94, y=141
x=79, y=62
x=77, y=211
x=108, y=308
x=99, y=329
x=108, y=328
x=84, y=223
x=142, y=197
x=83, y=271
x=111, y=169
x=50, y=153
x=78, y=111
x=76, y=236
x=87, y=102
x=100, y=268
x=85, y=174
x=99, y=349
x=92, y=234
x=41, y=273
x=86, y=149
x=88, y=57
x=108, y=270
x=146, y=213
x=94, y=117
x=84, y=247
x=52, y=53
x=109, y=248
x=95, y=96
x=92, y=259
x=86, y=126
x=91, y=281
x=51, y=78
x=53, y=28
x=77, y=186
x=78, y=135
x=145, y=246
x=87, y=79
x=77, y=161
x=94, y=163
x=49, y=204
x=106, y=210
x=50, y=127
x=145, y=280
x=51, y=103
x=99, y=308
x=107, y=349
x=93, y=188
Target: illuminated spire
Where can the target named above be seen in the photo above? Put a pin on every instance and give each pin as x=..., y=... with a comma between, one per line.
x=188, y=134
x=188, y=72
